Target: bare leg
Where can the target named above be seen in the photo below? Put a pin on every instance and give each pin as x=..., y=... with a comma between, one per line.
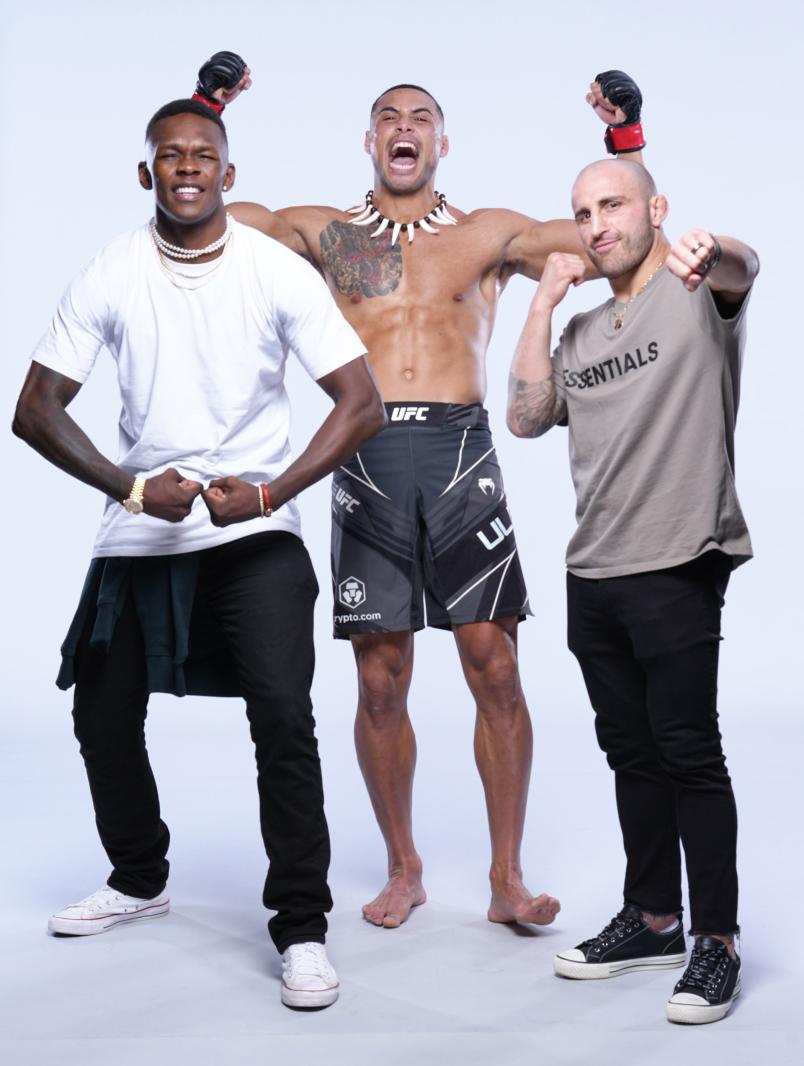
x=386, y=751
x=503, y=751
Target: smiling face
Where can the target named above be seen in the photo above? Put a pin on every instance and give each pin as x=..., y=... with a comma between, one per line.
x=189, y=168
x=406, y=140
x=619, y=215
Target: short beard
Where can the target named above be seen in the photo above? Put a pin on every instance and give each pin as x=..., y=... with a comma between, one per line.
x=633, y=251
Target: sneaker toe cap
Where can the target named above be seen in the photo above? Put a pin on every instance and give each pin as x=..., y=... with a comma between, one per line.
x=310, y=983
x=688, y=999
x=572, y=955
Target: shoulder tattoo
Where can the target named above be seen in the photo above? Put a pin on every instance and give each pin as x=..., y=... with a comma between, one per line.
x=358, y=264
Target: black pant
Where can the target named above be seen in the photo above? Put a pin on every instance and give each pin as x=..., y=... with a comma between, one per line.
x=262, y=589
x=648, y=648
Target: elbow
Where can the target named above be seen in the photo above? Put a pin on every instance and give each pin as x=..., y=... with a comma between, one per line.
x=24, y=422
x=514, y=424
x=370, y=414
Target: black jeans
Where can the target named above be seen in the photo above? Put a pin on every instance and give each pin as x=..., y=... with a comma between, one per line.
x=262, y=589
x=648, y=648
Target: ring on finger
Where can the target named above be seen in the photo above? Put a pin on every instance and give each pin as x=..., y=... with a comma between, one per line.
x=696, y=247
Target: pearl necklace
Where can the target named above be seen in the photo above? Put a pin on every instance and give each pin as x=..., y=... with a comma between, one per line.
x=175, y=251
x=189, y=282
x=367, y=214
x=619, y=316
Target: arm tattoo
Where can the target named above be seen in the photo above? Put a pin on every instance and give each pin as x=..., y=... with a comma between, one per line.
x=534, y=406
x=357, y=264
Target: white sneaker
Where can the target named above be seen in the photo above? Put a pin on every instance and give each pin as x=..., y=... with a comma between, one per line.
x=308, y=979
x=102, y=910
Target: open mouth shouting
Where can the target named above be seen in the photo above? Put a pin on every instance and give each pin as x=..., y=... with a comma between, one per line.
x=403, y=156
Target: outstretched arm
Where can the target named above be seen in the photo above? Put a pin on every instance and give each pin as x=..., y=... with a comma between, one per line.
x=357, y=415
x=41, y=420
x=534, y=403
x=728, y=266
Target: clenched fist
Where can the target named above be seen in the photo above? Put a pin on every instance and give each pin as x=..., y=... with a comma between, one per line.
x=693, y=256
x=169, y=495
x=230, y=500
x=561, y=270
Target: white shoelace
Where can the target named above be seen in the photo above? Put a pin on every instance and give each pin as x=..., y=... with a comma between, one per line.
x=309, y=959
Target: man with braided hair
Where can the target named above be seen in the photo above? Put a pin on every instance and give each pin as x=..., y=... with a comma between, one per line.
x=649, y=384
x=192, y=589
x=421, y=530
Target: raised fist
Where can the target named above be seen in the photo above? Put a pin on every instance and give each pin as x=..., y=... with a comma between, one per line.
x=561, y=270
x=222, y=78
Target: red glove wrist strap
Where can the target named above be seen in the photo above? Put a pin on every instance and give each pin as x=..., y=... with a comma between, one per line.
x=624, y=138
x=214, y=105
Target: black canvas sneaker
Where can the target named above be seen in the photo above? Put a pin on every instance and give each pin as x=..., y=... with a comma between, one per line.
x=625, y=944
x=710, y=984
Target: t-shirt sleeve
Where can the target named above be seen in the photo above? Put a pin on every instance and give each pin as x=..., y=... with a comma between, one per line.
x=79, y=328
x=311, y=322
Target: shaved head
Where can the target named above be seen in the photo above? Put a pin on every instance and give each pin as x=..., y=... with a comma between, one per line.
x=618, y=170
x=619, y=214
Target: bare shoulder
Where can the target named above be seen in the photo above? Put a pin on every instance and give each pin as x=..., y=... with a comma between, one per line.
x=501, y=221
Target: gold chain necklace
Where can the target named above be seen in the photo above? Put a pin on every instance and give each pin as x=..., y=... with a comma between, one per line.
x=619, y=316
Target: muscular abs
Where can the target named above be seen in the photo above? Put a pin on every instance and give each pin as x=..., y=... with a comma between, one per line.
x=424, y=310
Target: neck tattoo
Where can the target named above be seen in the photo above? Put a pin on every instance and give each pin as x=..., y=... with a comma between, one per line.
x=367, y=214
x=619, y=316
x=175, y=251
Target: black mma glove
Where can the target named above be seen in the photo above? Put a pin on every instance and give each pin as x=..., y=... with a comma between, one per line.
x=223, y=71
x=624, y=93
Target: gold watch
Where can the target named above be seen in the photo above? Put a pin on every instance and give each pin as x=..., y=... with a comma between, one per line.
x=134, y=502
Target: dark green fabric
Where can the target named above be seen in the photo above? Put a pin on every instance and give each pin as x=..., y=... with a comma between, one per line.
x=186, y=652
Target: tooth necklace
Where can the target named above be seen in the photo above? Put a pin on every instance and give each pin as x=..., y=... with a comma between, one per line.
x=175, y=251
x=619, y=316
x=367, y=214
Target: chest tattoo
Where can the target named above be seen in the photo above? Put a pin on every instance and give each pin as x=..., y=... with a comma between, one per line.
x=357, y=264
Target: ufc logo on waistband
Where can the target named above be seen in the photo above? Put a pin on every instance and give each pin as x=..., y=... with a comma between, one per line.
x=404, y=414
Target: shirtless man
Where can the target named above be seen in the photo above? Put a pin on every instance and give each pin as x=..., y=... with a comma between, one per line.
x=421, y=508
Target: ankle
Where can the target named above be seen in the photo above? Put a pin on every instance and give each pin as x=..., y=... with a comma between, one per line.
x=726, y=938
x=505, y=873
x=409, y=868
x=659, y=923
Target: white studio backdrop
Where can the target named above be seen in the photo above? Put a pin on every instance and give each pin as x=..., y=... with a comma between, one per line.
x=720, y=87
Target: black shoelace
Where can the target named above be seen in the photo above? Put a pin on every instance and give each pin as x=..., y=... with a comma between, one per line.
x=621, y=925
x=705, y=968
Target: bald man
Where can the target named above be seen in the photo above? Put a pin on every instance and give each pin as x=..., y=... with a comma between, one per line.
x=648, y=384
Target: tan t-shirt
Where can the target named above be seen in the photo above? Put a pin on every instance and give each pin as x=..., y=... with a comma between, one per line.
x=651, y=409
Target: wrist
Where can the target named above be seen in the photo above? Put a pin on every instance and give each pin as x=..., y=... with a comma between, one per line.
x=541, y=308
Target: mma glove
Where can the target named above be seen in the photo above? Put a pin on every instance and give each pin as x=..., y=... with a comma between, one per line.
x=223, y=71
x=624, y=93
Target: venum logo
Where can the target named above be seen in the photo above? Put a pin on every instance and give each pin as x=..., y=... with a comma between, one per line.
x=352, y=592
x=346, y=501
x=404, y=414
x=486, y=485
x=499, y=531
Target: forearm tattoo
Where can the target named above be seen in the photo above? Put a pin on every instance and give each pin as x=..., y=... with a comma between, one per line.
x=358, y=264
x=534, y=406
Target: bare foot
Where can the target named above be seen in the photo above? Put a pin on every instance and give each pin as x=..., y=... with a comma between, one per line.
x=391, y=908
x=511, y=902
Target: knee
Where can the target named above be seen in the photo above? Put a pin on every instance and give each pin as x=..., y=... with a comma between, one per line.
x=383, y=677
x=494, y=681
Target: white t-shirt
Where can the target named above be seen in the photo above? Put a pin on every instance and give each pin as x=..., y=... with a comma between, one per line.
x=201, y=371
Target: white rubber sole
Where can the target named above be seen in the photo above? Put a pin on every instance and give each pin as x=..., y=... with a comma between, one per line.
x=597, y=971
x=693, y=1014
x=103, y=922
x=304, y=999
